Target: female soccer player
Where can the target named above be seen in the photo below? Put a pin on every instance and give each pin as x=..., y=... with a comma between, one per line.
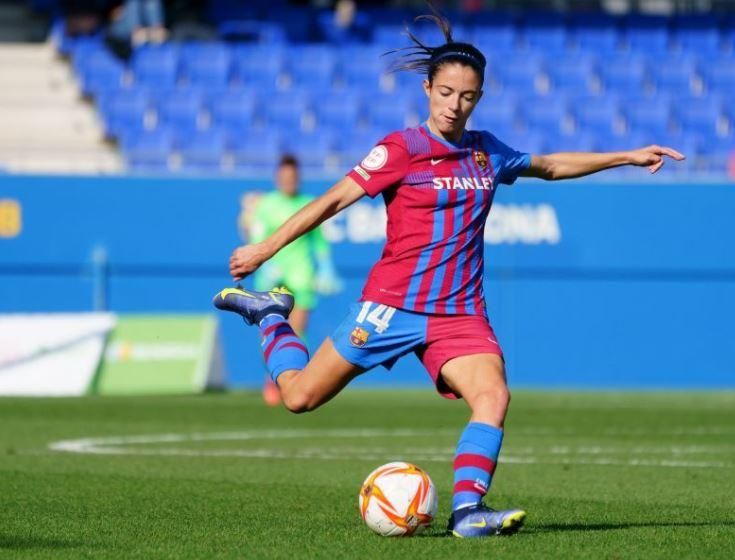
x=425, y=294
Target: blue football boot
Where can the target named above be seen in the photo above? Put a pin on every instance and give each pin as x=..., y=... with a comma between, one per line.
x=481, y=521
x=254, y=306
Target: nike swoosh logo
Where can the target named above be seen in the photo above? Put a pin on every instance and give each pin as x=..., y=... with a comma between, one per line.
x=479, y=525
x=227, y=291
x=436, y=161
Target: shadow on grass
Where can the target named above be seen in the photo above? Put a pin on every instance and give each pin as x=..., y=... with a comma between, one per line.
x=571, y=527
x=29, y=542
x=612, y=526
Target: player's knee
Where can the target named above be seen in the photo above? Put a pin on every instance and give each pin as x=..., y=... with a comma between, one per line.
x=299, y=402
x=493, y=401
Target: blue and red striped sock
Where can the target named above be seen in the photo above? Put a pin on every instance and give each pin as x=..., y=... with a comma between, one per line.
x=474, y=464
x=282, y=349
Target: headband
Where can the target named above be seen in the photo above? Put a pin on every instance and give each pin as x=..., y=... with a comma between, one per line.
x=459, y=50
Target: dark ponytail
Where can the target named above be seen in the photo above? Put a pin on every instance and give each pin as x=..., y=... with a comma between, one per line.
x=426, y=60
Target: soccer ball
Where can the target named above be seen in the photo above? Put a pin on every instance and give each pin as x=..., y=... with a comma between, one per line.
x=398, y=499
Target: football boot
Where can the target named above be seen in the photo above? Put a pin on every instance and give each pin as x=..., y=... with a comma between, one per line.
x=254, y=306
x=482, y=521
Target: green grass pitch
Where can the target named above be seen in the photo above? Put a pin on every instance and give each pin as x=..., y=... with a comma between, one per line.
x=602, y=475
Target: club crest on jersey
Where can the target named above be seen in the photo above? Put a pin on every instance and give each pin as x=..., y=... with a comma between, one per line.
x=480, y=158
x=358, y=337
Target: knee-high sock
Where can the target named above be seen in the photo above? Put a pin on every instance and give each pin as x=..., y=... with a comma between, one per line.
x=474, y=463
x=282, y=349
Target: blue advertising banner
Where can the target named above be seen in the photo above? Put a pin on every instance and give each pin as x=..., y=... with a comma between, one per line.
x=588, y=284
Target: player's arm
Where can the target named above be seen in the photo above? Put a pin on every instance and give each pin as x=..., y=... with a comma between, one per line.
x=569, y=165
x=245, y=260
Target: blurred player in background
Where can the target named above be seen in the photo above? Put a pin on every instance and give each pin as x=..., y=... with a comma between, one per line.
x=425, y=294
x=304, y=267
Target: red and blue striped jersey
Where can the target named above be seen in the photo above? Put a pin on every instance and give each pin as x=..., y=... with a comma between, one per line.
x=438, y=196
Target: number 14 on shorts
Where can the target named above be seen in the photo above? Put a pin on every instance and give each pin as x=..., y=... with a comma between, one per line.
x=380, y=315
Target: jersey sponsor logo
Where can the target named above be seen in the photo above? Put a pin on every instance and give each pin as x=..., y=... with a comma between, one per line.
x=361, y=172
x=463, y=183
x=480, y=158
x=437, y=161
x=358, y=337
x=376, y=159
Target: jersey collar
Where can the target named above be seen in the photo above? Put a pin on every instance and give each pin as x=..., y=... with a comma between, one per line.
x=447, y=143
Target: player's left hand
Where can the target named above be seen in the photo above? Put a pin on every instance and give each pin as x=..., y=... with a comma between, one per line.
x=246, y=260
x=653, y=157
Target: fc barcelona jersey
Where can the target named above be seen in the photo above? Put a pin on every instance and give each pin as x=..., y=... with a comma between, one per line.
x=438, y=196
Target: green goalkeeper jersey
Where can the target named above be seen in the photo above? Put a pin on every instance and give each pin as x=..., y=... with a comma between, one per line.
x=294, y=265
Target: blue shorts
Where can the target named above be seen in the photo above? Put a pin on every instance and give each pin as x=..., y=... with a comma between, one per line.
x=374, y=334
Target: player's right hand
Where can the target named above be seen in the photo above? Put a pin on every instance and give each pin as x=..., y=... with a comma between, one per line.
x=246, y=260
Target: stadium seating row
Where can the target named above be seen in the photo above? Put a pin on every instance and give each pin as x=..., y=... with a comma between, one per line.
x=192, y=109
x=235, y=106
x=321, y=68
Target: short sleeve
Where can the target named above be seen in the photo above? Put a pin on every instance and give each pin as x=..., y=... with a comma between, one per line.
x=385, y=165
x=513, y=162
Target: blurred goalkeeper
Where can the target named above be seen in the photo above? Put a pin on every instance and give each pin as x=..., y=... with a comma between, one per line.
x=304, y=267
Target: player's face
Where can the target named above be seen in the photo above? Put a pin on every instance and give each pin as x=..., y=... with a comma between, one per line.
x=287, y=179
x=453, y=94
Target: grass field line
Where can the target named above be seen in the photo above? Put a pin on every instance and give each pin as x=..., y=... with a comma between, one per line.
x=566, y=455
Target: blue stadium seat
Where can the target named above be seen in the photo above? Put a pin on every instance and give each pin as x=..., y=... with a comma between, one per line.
x=340, y=110
x=697, y=33
x=529, y=141
x=675, y=74
x=728, y=32
x=577, y=142
x=287, y=111
x=259, y=66
x=700, y=116
x=361, y=67
x=256, y=152
x=156, y=66
x=101, y=73
x=312, y=65
x=149, y=151
x=181, y=110
x=597, y=115
x=202, y=151
x=390, y=36
x=233, y=112
x=392, y=112
x=520, y=75
x=549, y=113
x=496, y=112
x=493, y=40
x=652, y=117
x=313, y=149
x=624, y=73
x=545, y=32
x=719, y=74
x=621, y=142
x=125, y=111
x=574, y=74
x=206, y=64
x=596, y=33
x=647, y=34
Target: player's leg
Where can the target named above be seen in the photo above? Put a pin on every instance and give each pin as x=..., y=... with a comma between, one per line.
x=299, y=319
x=464, y=359
x=480, y=380
x=304, y=384
x=325, y=375
x=299, y=280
